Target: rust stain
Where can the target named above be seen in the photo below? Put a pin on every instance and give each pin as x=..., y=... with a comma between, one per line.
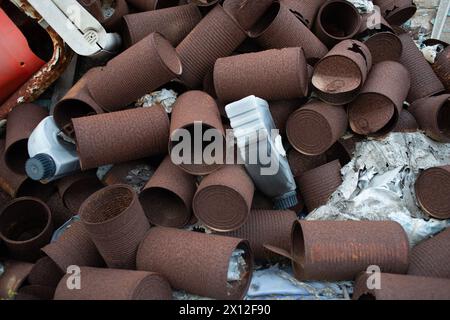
x=49, y=72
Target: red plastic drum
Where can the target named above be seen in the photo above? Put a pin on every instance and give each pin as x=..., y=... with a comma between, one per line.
x=17, y=62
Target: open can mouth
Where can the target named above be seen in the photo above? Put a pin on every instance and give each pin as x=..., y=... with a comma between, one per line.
x=38, y=56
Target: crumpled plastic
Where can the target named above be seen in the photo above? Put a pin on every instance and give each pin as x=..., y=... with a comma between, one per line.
x=103, y=170
x=166, y=98
x=279, y=283
x=378, y=184
x=363, y=6
x=237, y=266
x=183, y=295
x=430, y=52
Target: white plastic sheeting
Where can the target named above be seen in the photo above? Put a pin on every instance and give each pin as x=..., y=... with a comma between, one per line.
x=379, y=184
x=166, y=98
x=363, y=6
x=278, y=283
x=237, y=267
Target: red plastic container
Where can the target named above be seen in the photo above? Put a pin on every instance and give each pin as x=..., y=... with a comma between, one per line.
x=17, y=62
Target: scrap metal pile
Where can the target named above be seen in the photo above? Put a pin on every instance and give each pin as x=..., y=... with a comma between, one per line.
x=94, y=203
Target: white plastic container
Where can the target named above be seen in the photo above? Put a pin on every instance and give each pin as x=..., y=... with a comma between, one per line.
x=50, y=158
x=262, y=150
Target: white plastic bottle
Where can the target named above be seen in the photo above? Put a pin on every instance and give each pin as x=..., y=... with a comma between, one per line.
x=254, y=130
x=50, y=158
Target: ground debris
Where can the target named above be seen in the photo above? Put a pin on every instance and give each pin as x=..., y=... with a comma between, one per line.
x=379, y=184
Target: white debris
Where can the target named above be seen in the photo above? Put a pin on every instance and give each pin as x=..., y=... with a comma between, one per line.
x=278, y=283
x=103, y=170
x=430, y=52
x=363, y=6
x=183, y=295
x=379, y=184
x=164, y=97
x=237, y=267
